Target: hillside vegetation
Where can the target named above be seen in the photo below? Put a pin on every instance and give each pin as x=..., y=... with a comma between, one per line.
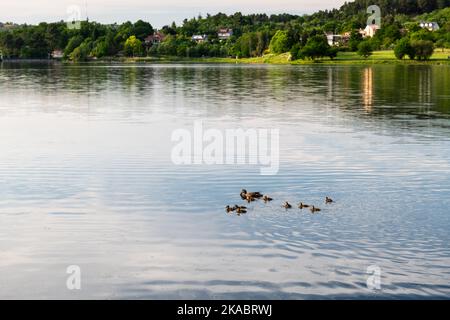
x=255, y=35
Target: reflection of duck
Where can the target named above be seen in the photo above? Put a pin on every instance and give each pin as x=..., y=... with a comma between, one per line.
x=267, y=198
x=328, y=200
x=314, y=209
x=286, y=205
x=302, y=205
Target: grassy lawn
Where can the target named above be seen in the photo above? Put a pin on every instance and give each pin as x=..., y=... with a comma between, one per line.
x=386, y=56
x=377, y=55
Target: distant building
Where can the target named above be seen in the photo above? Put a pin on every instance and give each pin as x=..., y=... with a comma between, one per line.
x=369, y=31
x=7, y=25
x=57, y=54
x=155, y=38
x=199, y=38
x=334, y=39
x=431, y=26
x=225, y=34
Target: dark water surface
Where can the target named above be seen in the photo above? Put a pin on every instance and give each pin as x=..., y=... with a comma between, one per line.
x=86, y=178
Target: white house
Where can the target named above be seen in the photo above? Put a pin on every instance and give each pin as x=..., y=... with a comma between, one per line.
x=431, y=26
x=334, y=39
x=224, y=34
x=199, y=38
x=57, y=54
x=369, y=31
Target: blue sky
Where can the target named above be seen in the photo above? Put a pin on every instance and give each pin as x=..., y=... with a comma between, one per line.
x=157, y=12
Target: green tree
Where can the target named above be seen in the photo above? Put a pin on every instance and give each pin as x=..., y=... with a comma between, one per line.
x=355, y=40
x=169, y=47
x=404, y=48
x=133, y=47
x=142, y=29
x=316, y=47
x=296, y=51
x=280, y=42
x=73, y=43
x=105, y=46
x=365, y=49
x=82, y=52
x=251, y=44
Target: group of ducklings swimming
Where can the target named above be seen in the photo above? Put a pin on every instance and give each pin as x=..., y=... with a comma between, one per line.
x=253, y=196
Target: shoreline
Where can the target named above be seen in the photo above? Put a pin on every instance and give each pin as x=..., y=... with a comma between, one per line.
x=345, y=58
x=379, y=57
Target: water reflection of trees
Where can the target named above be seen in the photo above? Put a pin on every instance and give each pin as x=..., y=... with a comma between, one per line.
x=379, y=90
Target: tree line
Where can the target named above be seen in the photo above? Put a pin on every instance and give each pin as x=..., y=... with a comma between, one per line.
x=253, y=35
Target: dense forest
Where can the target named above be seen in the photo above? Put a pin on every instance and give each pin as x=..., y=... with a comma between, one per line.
x=252, y=35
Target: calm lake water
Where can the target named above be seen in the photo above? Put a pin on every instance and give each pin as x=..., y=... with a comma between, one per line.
x=86, y=179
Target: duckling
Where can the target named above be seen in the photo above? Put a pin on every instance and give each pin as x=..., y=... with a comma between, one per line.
x=241, y=211
x=256, y=195
x=314, y=209
x=229, y=209
x=245, y=194
x=266, y=198
x=328, y=200
x=302, y=206
x=286, y=205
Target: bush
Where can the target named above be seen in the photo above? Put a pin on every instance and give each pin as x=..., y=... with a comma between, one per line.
x=332, y=52
x=423, y=49
x=404, y=48
x=365, y=49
